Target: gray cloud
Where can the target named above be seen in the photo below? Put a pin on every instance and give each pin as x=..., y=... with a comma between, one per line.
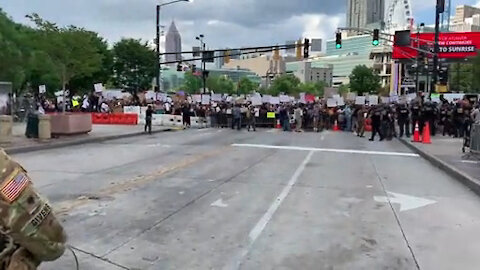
x=231, y=23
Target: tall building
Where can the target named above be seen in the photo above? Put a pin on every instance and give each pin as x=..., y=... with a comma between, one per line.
x=173, y=43
x=361, y=13
x=467, y=19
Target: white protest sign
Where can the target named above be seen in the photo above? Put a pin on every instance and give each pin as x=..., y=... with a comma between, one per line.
x=284, y=98
x=216, y=97
x=42, y=89
x=98, y=87
x=360, y=100
x=340, y=102
x=336, y=97
x=275, y=100
x=266, y=98
x=302, y=98
x=385, y=100
x=256, y=100
x=205, y=99
x=331, y=102
x=373, y=100
x=197, y=98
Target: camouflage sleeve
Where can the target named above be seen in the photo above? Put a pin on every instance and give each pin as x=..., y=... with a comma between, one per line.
x=26, y=216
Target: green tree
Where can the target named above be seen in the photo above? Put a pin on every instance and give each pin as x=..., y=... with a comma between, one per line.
x=71, y=50
x=221, y=84
x=246, y=86
x=314, y=88
x=343, y=89
x=284, y=84
x=191, y=83
x=364, y=80
x=134, y=65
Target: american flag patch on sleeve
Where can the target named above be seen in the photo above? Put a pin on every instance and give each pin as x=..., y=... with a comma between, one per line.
x=13, y=187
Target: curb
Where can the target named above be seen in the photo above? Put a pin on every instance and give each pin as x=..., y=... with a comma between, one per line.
x=465, y=179
x=33, y=148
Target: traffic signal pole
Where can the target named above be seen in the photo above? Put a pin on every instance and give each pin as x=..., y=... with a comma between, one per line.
x=436, y=46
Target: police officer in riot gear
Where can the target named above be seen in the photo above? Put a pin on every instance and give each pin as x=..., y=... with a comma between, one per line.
x=403, y=116
x=376, y=116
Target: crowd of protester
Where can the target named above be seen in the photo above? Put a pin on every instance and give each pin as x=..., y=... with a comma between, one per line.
x=452, y=118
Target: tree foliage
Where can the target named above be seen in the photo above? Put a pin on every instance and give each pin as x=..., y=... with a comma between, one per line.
x=69, y=51
x=286, y=84
x=221, y=84
x=364, y=80
x=246, y=86
x=134, y=65
x=191, y=84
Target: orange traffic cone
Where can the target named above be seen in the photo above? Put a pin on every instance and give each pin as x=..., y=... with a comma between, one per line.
x=416, y=134
x=278, y=124
x=335, y=126
x=426, y=134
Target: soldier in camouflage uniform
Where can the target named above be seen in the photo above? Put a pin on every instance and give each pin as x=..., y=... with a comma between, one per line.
x=29, y=231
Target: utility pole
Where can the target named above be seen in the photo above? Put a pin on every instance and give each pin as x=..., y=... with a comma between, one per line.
x=439, y=8
x=159, y=62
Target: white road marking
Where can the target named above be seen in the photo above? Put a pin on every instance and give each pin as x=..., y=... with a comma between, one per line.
x=273, y=130
x=369, y=186
x=322, y=137
x=258, y=229
x=470, y=161
x=260, y=226
x=203, y=129
x=348, y=151
x=219, y=203
x=406, y=202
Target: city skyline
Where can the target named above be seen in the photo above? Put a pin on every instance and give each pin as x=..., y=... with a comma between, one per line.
x=233, y=24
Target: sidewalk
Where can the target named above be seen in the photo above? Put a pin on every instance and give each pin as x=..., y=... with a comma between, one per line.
x=21, y=144
x=446, y=153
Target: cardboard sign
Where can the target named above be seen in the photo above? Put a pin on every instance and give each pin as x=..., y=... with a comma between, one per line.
x=284, y=98
x=42, y=89
x=274, y=100
x=270, y=115
x=216, y=97
x=340, y=102
x=266, y=98
x=256, y=100
x=331, y=102
x=197, y=98
x=360, y=100
x=205, y=99
x=98, y=87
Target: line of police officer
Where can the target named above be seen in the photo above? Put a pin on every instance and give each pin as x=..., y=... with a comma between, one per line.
x=454, y=117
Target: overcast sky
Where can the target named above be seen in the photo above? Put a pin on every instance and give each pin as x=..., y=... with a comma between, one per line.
x=225, y=23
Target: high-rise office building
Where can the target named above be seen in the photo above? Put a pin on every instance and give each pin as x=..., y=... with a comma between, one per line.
x=173, y=43
x=361, y=13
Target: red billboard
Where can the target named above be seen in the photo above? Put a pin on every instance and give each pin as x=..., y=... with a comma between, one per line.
x=452, y=45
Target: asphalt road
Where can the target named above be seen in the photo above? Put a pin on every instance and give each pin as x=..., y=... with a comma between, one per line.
x=222, y=199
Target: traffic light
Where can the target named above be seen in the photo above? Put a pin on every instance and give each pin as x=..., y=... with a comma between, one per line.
x=179, y=67
x=339, y=41
x=299, y=49
x=443, y=75
x=306, y=48
x=227, y=57
x=376, y=37
x=194, y=68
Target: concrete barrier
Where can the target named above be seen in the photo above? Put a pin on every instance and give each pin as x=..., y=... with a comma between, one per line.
x=6, y=123
x=44, y=127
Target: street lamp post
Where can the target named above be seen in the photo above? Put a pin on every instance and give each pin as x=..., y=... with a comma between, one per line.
x=204, y=75
x=159, y=62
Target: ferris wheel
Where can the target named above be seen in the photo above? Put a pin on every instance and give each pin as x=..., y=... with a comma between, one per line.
x=404, y=18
